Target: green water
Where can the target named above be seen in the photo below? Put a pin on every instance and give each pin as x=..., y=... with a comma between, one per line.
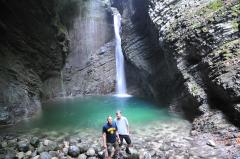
x=91, y=112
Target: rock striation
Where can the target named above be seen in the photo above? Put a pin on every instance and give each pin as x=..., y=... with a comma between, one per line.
x=33, y=47
x=188, y=52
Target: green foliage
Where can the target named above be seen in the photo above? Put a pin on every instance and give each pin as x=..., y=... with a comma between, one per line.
x=225, y=53
x=194, y=90
x=235, y=25
x=215, y=5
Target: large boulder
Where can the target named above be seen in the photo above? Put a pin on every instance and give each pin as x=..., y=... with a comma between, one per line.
x=23, y=146
x=91, y=152
x=50, y=145
x=45, y=155
x=73, y=151
x=34, y=141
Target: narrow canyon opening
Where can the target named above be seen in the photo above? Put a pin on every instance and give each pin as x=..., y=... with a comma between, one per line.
x=171, y=67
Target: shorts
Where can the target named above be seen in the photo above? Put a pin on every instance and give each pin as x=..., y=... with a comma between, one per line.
x=126, y=138
x=111, y=145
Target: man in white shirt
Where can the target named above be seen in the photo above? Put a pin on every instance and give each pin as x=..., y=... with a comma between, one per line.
x=123, y=130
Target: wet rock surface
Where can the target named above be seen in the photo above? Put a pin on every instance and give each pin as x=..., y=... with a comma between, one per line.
x=205, y=48
x=30, y=52
x=196, y=46
x=169, y=139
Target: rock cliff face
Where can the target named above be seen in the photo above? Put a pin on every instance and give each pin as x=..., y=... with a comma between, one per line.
x=183, y=53
x=90, y=66
x=188, y=52
x=33, y=47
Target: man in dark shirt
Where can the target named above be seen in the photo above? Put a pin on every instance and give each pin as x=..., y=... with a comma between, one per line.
x=110, y=137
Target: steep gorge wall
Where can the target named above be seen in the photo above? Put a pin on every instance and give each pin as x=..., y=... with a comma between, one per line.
x=203, y=39
x=195, y=65
x=90, y=66
x=33, y=47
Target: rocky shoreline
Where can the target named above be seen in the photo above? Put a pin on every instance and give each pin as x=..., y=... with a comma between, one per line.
x=169, y=139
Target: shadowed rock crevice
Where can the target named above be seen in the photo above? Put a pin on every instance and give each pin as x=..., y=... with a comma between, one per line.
x=189, y=60
x=33, y=47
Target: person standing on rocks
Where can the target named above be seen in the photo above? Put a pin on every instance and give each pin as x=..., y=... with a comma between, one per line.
x=110, y=138
x=123, y=130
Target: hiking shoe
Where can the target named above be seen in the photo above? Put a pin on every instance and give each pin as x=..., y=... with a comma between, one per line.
x=128, y=151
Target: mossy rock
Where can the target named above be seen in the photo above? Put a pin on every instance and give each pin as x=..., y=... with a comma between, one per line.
x=215, y=5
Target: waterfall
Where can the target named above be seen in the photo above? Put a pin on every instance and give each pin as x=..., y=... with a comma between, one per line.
x=62, y=86
x=121, y=89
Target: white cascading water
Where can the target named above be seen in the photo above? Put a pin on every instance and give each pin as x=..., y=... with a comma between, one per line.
x=121, y=81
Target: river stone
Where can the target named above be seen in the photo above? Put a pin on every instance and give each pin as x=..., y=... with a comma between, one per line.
x=73, y=151
x=36, y=157
x=144, y=154
x=90, y=152
x=4, y=144
x=20, y=155
x=9, y=155
x=65, y=150
x=50, y=145
x=34, y=153
x=23, y=146
x=134, y=154
x=147, y=156
x=83, y=148
x=40, y=148
x=82, y=156
x=164, y=147
x=211, y=143
x=12, y=143
x=29, y=153
x=53, y=153
x=45, y=155
x=34, y=141
x=74, y=140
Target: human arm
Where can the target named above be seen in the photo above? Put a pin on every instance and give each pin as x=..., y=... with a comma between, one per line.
x=117, y=136
x=104, y=137
x=127, y=125
x=104, y=140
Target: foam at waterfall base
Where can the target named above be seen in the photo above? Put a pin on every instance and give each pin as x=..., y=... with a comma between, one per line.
x=123, y=95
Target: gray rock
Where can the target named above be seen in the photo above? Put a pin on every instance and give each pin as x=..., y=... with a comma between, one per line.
x=34, y=141
x=92, y=157
x=12, y=143
x=73, y=151
x=20, y=155
x=28, y=153
x=211, y=143
x=4, y=144
x=90, y=152
x=23, y=146
x=45, y=155
x=36, y=157
x=134, y=154
x=74, y=140
x=50, y=145
x=82, y=156
x=83, y=148
x=65, y=150
x=40, y=148
x=164, y=147
x=53, y=153
x=9, y=155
